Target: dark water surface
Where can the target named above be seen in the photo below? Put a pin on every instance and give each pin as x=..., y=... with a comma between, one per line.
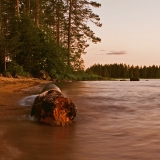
x=117, y=120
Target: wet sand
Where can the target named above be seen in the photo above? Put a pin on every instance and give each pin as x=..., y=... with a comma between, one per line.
x=14, y=89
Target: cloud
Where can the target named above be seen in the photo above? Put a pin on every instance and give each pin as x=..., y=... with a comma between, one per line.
x=116, y=53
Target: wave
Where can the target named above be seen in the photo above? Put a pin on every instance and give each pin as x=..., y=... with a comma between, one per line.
x=28, y=101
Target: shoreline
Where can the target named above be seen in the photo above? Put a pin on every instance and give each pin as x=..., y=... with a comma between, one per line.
x=14, y=89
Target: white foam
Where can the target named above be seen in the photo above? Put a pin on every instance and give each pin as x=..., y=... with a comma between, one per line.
x=31, y=118
x=28, y=101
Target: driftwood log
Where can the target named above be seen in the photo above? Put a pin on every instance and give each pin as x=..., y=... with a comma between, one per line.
x=51, y=107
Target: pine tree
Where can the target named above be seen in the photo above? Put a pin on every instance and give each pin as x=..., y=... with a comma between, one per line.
x=79, y=31
x=27, y=26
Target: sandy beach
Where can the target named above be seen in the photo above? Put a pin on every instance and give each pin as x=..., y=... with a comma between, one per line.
x=14, y=89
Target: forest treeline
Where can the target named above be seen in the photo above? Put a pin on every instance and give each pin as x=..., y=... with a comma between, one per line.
x=46, y=34
x=124, y=71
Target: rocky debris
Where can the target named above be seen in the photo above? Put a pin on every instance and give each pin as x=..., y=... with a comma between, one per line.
x=134, y=79
x=51, y=107
x=42, y=74
x=7, y=74
x=15, y=75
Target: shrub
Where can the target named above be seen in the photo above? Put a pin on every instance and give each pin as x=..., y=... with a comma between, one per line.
x=70, y=76
x=13, y=67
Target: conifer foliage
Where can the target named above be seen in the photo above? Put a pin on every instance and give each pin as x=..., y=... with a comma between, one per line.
x=46, y=34
x=124, y=71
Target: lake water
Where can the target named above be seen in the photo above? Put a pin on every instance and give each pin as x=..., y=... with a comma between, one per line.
x=116, y=120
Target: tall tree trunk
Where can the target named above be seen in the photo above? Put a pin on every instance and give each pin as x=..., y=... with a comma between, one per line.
x=28, y=6
x=37, y=13
x=0, y=17
x=5, y=44
x=17, y=2
x=1, y=52
x=3, y=32
x=57, y=26
x=4, y=59
x=69, y=31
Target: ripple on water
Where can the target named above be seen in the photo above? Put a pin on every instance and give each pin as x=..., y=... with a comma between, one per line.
x=115, y=120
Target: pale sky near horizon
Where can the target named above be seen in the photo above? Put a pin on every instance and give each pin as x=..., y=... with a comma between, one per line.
x=130, y=33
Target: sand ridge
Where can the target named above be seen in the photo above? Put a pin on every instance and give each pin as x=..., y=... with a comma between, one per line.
x=12, y=90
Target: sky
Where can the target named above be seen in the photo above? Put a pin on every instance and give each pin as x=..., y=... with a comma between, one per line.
x=130, y=33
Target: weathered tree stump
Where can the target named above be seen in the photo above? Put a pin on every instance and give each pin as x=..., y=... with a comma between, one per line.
x=51, y=107
x=42, y=74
